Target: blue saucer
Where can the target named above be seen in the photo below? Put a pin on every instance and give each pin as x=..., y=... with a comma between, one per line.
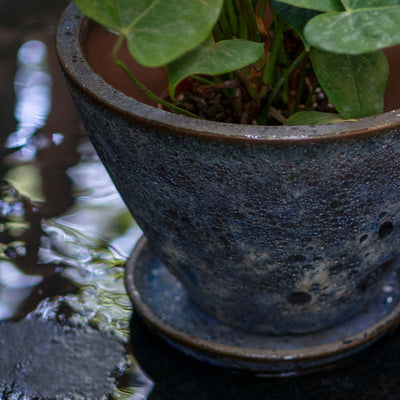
x=164, y=305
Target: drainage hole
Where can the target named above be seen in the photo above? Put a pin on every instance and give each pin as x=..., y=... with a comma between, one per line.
x=298, y=298
x=385, y=229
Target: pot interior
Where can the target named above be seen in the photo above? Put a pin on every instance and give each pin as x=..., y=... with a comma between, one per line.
x=97, y=50
x=99, y=43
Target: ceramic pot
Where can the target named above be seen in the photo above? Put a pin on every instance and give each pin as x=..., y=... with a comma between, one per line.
x=269, y=229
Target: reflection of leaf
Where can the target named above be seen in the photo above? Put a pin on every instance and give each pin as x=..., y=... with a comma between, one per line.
x=355, y=32
x=214, y=59
x=158, y=31
x=319, y=5
x=354, y=84
x=313, y=117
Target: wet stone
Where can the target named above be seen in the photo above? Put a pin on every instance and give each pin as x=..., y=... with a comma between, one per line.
x=43, y=360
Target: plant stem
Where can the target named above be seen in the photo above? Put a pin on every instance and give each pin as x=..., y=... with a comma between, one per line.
x=300, y=87
x=230, y=9
x=225, y=27
x=268, y=73
x=261, y=8
x=285, y=76
x=219, y=35
x=262, y=117
x=310, y=96
x=140, y=85
x=242, y=20
x=254, y=32
x=202, y=80
x=241, y=75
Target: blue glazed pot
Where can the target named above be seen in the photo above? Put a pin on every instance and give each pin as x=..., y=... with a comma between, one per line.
x=269, y=229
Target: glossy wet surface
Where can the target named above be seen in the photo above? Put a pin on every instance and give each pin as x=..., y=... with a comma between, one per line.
x=67, y=330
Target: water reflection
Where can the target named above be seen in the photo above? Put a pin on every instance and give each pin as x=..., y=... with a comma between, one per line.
x=32, y=86
x=15, y=288
x=27, y=178
x=72, y=273
x=24, y=277
x=137, y=387
x=64, y=231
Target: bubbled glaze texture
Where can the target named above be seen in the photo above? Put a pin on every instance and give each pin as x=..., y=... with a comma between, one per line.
x=269, y=238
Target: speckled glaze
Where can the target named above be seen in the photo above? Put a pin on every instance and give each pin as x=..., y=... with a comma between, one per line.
x=269, y=229
x=163, y=304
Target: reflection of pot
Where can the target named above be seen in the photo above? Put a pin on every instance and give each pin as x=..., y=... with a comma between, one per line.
x=270, y=229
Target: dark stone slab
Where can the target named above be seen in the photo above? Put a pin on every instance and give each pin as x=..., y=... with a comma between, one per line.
x=45, y=360
x=372, y=374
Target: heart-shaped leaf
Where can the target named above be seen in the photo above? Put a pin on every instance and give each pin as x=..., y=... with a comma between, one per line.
x=214, y=59
x=355, y=32
x=295, y=17
x=158, y=31
x=114, y=14
x=319, y=5
x=313, y=118
x=354, y=84
x=354, y=4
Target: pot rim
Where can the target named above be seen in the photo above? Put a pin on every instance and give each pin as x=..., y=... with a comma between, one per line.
x=71, y=32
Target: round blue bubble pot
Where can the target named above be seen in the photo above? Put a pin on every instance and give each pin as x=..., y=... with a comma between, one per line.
x=267, y=248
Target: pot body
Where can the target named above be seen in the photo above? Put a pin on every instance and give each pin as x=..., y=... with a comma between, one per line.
x=275, y=237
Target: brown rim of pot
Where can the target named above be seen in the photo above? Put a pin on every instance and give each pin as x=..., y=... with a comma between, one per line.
x=323, y=351
x=71, y=32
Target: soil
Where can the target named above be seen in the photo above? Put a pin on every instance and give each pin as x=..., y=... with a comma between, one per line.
x=230, y=102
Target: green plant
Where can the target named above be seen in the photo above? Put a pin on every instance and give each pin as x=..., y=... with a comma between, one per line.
x=312, y=55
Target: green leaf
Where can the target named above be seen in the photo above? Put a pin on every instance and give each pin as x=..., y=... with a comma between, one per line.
x=355, y=32
x=295, y=17
x=354, y=84
x=319, y=5
x=214, y=59
x=157, y=31
x=314, y=117
x=114, y=14
x=354, y=4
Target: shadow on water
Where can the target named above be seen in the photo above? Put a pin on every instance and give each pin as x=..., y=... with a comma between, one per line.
x=66, y=330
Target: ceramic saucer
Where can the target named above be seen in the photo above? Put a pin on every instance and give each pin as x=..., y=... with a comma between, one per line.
x=164, y=305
